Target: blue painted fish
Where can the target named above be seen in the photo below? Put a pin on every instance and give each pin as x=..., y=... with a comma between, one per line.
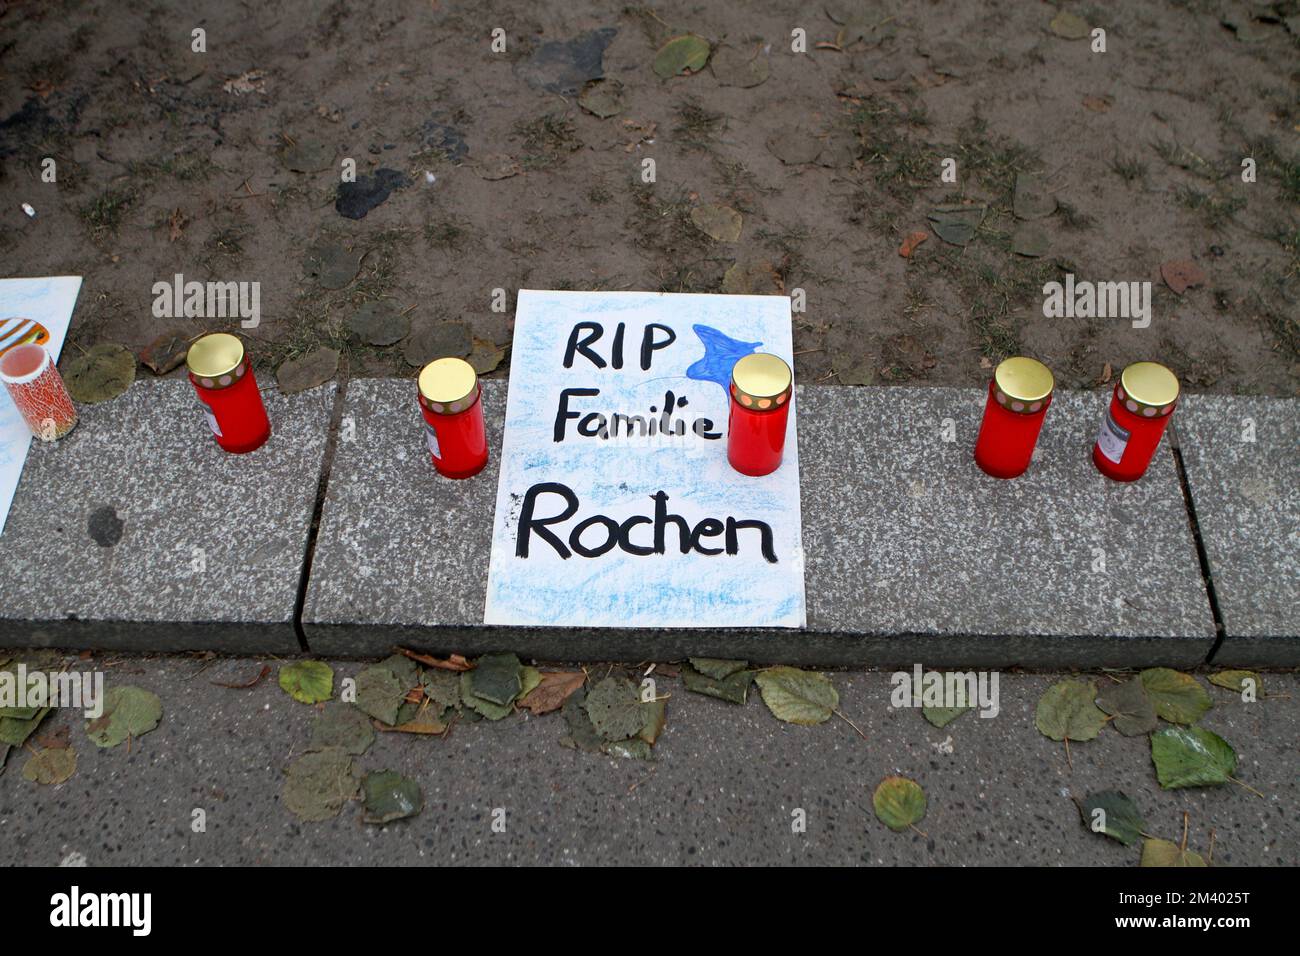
x=721, y=352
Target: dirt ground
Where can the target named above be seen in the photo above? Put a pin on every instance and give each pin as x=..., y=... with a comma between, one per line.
x=171, y=161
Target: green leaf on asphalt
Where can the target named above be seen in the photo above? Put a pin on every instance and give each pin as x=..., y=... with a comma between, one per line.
x=481, y=705
x=798, y=697
x=1066, y=711
x=14, y=731
x=1115, y=814
x=441, y=687
x=635, y=749
x=308, y=682
x=21, y=713
x=50, y=766
x=530, y=678
x=1178, y=698
x=380, y=693
x=497, y=678
x=404, y=669
x=582, y=733
x=343, y=727
x=128, y=712
x=943, y=716
x=390, y=796
x=318, y=784
x=716, y=668
x=614, y=706
x=899, y=803
x=683, y=54
x=1130, y=706
x=1238, y=681
x=734, y=688
x=1191, y=757
x=1164, y=853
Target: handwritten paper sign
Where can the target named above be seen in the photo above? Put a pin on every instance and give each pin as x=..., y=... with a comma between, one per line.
x=616, y=506
x=48, y=302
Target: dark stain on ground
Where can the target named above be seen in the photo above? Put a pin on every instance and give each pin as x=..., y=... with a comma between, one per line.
x=105, y=526
x=358, y=198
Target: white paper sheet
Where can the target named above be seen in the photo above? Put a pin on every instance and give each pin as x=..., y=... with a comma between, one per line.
x=617, y=476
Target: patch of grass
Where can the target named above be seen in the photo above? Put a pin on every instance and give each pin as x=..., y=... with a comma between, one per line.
x=598, y=195
x=997, y=286
x=445, y=235
x=185, y=167
x=740, y=188
x=696, y=126
x=226, y=243
x=103, y=215
x=701, y=275
x=547, y=139
x=660, y=219
x=993, y=162
x=883, y=129
x=1289, y=180
x=1129, y=168
x=791, y=261
x=379, y=267
x=1215, y=209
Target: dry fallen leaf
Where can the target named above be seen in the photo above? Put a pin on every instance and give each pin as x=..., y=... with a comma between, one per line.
x=718, y=222
x=1098, y=104
x=1106, y=373
x=913, y=240
x=453, y=663
x=553, y=691
x=176, y=224
x=1181, y=274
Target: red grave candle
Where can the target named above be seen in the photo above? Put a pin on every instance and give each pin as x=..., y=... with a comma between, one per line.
x=222, y=376
x=762, y=387
x=1140, y=407
x=451, y=401
x=1019, y=394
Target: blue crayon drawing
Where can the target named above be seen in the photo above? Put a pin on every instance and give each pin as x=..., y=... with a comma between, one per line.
x=721, y=352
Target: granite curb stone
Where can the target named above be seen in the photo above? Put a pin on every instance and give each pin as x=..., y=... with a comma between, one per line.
x=913, y=554
x=1242, y=459
x=136, y=532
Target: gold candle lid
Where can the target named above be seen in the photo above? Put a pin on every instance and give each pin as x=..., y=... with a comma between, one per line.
x=217, y=360
x=1022, y=384
x=761, y=381
x=1147, y=389
x=448, y=386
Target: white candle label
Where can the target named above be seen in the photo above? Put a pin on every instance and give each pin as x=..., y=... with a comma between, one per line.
x=212, y=420
x=432, y=437
x=1112, y=440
